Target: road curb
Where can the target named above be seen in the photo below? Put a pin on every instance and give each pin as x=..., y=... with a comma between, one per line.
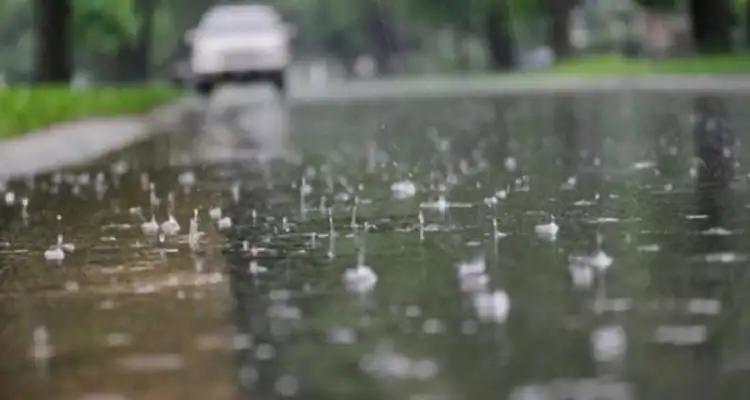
x=78, y=142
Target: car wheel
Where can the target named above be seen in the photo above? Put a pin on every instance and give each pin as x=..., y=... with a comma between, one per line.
x=204, y=88
x=279, y=81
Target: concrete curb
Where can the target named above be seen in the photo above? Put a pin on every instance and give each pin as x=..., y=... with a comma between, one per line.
x=78, y=142
x=491, y=85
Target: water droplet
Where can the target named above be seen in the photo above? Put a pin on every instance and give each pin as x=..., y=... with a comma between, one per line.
x=360, y=279
x=403, y=189
x=608, y=343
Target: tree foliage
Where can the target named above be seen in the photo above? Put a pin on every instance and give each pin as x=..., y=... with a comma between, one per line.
x=104, y=26
x=663, y=5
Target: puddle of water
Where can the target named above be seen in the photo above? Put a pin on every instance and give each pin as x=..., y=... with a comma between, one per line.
x=401, y=250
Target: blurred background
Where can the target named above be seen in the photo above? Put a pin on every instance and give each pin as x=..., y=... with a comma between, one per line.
x=142, y=40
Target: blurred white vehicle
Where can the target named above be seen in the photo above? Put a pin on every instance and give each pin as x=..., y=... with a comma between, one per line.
x=239, y=43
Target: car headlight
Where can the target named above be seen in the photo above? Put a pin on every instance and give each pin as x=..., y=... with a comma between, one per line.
x=206, y=60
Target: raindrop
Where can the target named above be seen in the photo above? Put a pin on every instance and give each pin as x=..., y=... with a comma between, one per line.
x=679, y=335
x=341, y=335
x=287, y=385
x=421, y=226
x=354, y=213
x=608, y=343
x=118, y=339
x=236, y=192
x=215, y=213
x=582, y=275
x=150, y=228
x=186, y=179
x=10, y=198
x=194, y=235
x=56, y=253
x=224, y=223
x=330, y=222
x=265, y=352
x=704, y=306
x=71, y=286
x=717, y=231
x=146, y=363
x=440, y=205
x=41, y=349
x=474, y=267
x=496, y=233
x=255, y=269
x=304, y=190
x=433, y=326
x=25, y=209
x=492, y=307
x=170, y=227
x=403, y=189
x=511, y=164
x=570, y=184
x=360, y=279
x=547, y=231
x=649, y=248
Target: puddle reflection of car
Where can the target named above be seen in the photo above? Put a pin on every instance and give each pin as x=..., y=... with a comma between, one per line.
x=239, y=43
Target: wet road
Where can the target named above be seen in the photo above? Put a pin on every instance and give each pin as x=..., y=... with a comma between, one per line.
x=391, y=249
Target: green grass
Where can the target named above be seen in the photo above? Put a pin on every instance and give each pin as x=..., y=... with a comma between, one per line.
x=618, y=65
x=24, y=109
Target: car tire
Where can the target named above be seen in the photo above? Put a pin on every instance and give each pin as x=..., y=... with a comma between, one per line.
x=204, y=88
x=279, y=81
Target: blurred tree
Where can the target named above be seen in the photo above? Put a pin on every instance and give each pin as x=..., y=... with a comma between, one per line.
x=499, y=34
x=382, y=32
x=134, y=57
x=17, y=38
x=712, y=25
x=119, y=34
x=711, y=22
x=103, y=28
x=490, y=18
x=346, y=29
x=559, y=30
x=659, y=4
x=172, y=19
x=53, y=61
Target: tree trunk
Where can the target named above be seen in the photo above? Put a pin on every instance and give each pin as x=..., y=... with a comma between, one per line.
x=711, y=20
x=499, y=36
x=381, y=28
x=559, y=11
x=134, y=59
x=52, y=28
x=144, y=41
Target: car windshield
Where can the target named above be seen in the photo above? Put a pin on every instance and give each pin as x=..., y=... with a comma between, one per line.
x=239, y=21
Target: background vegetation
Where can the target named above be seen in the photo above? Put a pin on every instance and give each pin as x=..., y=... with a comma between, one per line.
x=27, y=109
x=135, y=40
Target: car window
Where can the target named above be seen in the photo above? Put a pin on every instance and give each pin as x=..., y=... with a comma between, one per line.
x=221, y=21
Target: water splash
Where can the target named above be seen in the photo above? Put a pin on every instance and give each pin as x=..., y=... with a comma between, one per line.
x=56, y=253
x=421, y=226
x=547, y=231
x=194, y=235
x=404, y=189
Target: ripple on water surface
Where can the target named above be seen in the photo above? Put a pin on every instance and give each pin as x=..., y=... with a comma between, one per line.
x=511, y=247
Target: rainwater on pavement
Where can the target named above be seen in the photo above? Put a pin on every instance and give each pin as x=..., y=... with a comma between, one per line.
x=391, y=249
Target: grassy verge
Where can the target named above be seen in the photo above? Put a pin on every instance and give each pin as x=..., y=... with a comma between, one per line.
x=25, y=109
x=617, y=65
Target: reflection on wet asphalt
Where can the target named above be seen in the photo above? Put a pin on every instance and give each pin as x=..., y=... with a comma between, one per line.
x=579, y=246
